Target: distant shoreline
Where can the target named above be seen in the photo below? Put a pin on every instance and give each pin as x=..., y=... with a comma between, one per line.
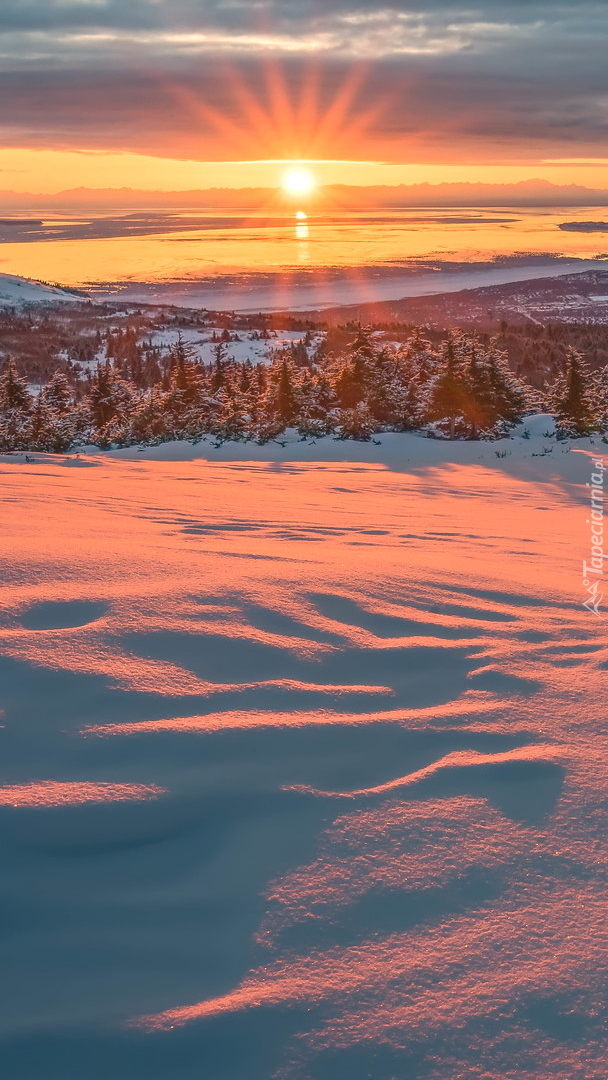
x=266, y=293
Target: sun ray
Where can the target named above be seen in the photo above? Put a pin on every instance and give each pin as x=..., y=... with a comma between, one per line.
x=281, y=106
x=272, y=116
x=297, y=123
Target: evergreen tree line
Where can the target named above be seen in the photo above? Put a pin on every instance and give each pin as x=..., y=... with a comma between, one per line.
x=461, y=388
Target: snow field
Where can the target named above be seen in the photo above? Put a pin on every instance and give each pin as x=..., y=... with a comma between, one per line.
x=312, y=759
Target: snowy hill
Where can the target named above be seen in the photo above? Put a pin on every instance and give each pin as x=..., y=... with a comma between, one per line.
x=15, y=291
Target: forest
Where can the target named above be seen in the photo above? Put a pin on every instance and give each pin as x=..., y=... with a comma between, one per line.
x=460, y=387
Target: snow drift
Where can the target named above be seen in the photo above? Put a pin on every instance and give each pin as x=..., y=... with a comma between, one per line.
x=304, y=765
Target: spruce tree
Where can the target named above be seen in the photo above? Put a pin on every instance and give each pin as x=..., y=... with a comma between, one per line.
x=14, y=393
x=188, y=404
x=449, y=391
x=40, y=436
x=385, y=389
x=356, y=423
x=16, y=407
x=232, y=420
x=58, y=422
x=281, y=402
x=149, y=419
x=317, y=405
x=57, y=393
x=417, y=366
x=419, y=358
x=571, y=398
x=599, y=397
x=218, y=375
x=110, y=403
x=477, y=403
x=287, y=405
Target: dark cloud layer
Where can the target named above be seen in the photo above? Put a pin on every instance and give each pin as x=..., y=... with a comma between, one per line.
x=158, y=75
x=147, y=14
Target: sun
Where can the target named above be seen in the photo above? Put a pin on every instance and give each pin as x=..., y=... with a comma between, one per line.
x=299, y=182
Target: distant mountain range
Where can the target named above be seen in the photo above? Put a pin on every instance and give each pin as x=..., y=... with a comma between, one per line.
x=337, y=196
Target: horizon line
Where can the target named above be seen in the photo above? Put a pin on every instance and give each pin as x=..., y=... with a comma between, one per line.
x=271, y=187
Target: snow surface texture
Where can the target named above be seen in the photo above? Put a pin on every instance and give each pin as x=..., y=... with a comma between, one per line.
x=304, y=765
x=16, y=291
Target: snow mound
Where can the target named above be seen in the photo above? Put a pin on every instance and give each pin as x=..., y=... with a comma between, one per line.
x=15, y=291
x=542, y=425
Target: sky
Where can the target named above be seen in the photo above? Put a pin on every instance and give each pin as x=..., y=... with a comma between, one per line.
x=178, y=94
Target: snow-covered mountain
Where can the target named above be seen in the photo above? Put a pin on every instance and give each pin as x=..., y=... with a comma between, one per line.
x=15, y=291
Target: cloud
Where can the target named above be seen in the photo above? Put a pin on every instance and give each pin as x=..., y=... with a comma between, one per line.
x=149, y=74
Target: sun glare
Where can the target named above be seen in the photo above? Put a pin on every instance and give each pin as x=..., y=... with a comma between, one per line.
x=299, y=182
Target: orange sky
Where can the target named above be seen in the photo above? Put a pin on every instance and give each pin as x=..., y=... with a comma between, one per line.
x=179, y=94
x=46, y=171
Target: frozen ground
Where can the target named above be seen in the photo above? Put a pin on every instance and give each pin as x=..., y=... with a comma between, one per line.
x=200, y=343
x=304, y=765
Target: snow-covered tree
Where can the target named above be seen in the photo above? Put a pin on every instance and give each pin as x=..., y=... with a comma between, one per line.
x=598, y=394
x=57, y=393
x=110, y=404
x=189, y=406
x=449, y=391
x=474, y=391
x=571, y=399
x=148, y=418
x=232, y=420
x=281, y=400
x=58, y=423
x=464, y=386
x=317, y=408
x=356, y=423
x=16, y=406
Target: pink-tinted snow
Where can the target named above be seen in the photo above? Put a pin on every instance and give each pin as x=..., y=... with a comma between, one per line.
x=324, y=754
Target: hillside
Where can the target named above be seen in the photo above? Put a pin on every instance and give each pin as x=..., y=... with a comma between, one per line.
x=17, y=291
x=568, y=298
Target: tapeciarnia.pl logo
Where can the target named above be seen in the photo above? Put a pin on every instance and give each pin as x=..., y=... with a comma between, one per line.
x=593, y=571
